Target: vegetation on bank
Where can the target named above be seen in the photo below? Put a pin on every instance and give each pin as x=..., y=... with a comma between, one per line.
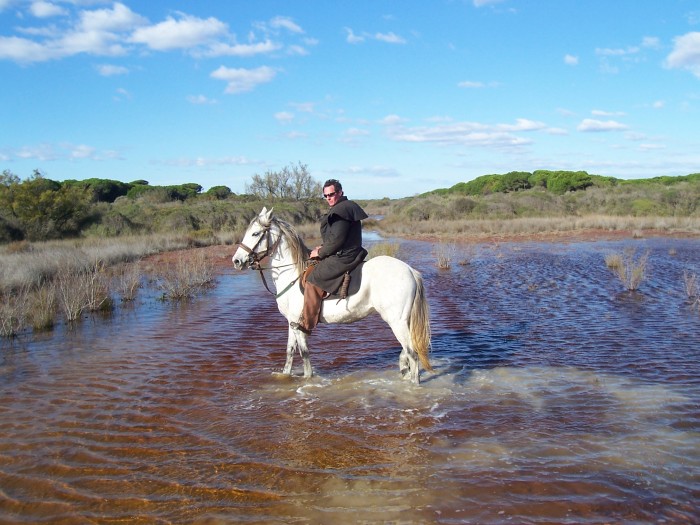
x=520, y=202
x=40, y=209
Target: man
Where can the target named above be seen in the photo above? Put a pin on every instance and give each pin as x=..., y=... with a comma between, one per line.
x=341, y=251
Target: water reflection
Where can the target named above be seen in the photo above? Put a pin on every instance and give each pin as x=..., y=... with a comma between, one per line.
x=556, y=398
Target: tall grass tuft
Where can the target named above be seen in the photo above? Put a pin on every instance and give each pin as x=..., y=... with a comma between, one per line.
x=13, y=311
x=43, y=307
x=128, y=281
x=444, y=253
x=384, y=248
x=692, y=287
x=187, y=276
x=631, y=270
x=86, y=288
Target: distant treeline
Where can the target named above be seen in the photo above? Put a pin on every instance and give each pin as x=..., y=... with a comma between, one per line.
x=38, y=208
x=557, y=182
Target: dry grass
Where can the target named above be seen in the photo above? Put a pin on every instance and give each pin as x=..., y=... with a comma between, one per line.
x=692, y=287
x=128, y=280
x=40, y=262
x=187, y=276
x=85, y=290
x=444, y=253
x=14, y=308
x=477, y=228
x=384, y=248
x=630, y=269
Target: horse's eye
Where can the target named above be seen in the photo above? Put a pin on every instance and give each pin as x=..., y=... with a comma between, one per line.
x=256, y=234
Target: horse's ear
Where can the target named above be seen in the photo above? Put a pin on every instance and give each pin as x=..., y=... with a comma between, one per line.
x=267, y=214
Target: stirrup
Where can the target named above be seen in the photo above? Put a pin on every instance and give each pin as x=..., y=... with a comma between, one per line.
x=297, y=326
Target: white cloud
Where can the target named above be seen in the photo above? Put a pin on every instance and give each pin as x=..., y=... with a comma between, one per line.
x=303, y=107
x=651, y=147
x=353, y=135
x=82, y=152
x=297, y=50
x=95, y=32
x=200, y=100
x=352, y=38
x=108, y=70
x=686, y=53
x=389, y=38
x=481, y=3
x=117, y=19
x=285, y=23
x=602, y=113
x=471, y=84
x=571, y=60
x=184, y=32
x=241, y=80
x=203, y=162
x=239, y=50
x=392, y=120
x=64, y=151
x=592, y=125
x=468, y=133
x=41, y=9
x=117, y=30
x=651, y=42
x=658, y=104
x=606, y=51
x=23, y=50
x=284, y=117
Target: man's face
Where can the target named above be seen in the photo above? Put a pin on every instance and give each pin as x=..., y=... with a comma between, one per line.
x=331, y=195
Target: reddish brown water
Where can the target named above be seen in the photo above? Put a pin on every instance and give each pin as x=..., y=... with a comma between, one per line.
x=556, y=398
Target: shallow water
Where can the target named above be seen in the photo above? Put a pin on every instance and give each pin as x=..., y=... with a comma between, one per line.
x=556, y=398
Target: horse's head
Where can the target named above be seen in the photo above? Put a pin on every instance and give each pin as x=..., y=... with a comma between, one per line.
x=255, y=245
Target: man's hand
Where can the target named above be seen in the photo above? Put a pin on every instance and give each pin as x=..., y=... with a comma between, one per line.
x=314, y=252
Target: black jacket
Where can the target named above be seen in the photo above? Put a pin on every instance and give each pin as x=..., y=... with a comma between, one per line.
x=341, y=232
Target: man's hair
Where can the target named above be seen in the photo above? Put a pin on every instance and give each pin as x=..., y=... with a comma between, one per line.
x=337, y=186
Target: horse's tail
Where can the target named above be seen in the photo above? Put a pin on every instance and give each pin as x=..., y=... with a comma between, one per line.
x=420, y=322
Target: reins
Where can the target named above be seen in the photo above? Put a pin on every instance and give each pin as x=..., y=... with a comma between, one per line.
x=254, y=259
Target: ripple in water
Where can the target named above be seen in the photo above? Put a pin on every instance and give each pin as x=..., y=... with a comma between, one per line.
x=556, y=398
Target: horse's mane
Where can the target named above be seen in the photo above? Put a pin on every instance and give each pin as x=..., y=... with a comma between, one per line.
x=300, y=253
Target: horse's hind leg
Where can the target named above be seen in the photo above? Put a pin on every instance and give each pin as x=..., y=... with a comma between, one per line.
x=408, y=360
x=404, y=365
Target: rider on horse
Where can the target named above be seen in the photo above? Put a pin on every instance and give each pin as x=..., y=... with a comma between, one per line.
x=341, y=251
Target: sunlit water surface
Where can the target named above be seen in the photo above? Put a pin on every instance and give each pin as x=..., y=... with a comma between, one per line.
x=556, y=398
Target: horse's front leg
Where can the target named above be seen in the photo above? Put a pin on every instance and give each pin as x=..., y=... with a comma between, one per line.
x=291, y=348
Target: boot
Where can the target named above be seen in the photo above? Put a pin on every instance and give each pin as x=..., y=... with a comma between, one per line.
x=313, y=295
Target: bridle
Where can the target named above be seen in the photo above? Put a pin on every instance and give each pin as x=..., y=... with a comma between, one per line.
x=254, y=258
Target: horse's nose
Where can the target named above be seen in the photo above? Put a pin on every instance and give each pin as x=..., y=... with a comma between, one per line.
x=237, y=263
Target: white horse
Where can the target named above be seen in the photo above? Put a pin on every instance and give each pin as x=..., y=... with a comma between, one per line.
x=389, y=287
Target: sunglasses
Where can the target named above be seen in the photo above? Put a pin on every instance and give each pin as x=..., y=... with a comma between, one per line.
x=329, y=195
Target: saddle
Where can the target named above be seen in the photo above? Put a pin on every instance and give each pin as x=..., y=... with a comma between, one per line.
x=352, y=279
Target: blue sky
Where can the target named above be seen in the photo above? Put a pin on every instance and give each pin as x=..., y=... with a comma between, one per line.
x=392, y=97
